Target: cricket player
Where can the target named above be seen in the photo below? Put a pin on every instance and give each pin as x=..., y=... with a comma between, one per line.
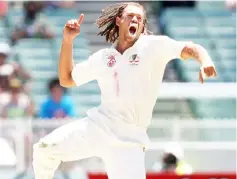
x=129, y=74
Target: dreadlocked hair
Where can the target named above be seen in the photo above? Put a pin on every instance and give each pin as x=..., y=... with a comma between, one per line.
x=108, y=20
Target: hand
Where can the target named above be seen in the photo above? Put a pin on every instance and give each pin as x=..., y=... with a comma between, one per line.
x=206, y=72
x=72, y=28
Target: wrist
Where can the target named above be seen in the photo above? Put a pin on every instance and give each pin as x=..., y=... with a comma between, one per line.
x=203, y=57
x=67, y=40
x=206, y=62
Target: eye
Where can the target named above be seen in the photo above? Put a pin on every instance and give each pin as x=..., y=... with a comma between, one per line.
x=139, y=18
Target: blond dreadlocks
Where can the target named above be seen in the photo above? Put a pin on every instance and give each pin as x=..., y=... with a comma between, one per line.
x=108, y=20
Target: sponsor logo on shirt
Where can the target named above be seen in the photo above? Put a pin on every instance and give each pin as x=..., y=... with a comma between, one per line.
x=134, y=59
x=112, y=61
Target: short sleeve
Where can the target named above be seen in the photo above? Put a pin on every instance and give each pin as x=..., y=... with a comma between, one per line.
x=85, y=71
x=71, y=110
x=174, y=48
x=43, y=111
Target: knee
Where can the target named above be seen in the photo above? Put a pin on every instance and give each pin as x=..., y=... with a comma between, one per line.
x=37, y=150
x=41, y=149
x=43, y=155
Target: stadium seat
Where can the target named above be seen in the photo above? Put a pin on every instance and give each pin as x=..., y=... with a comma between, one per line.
x=188, y=22
x=4, y=40
x=227, y=54
x=215, y=108
x=180, y=12
x=44, y=75
x=2, y=22
x=80, y=54
x=41, y=57
x=62, y=13
x=34, y=43
x=33, y=64
x=173, y=30
x=35, y=52
x=220, y=22
x=215, y=31
x=39, y=99
x=89, y=88
x=215, y=13
x=80, y=45
x=230, y=76
x=14, y=16
x=89, y=99
x=225, y=43
x=229, y=65
x=221, y=32
x=2, y=32
x=82, y=109
x=210, y=5
x=205, y=42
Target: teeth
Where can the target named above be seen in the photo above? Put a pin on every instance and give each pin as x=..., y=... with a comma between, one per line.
x=135, y=26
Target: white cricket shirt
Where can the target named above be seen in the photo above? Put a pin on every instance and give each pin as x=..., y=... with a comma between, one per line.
x=129, y=84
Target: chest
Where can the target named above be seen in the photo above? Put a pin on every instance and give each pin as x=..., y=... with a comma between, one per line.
x=52, y=107
x=131, y=64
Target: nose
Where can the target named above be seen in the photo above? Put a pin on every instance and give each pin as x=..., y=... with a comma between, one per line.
x=134, y=19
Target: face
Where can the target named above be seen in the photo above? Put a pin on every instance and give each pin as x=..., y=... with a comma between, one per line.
x=169, y=159
x=31, y=9
x=57, y=93
x=2, y=58
x=131, y=24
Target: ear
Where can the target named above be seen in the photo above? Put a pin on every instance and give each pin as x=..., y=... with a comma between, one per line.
x=118, y=21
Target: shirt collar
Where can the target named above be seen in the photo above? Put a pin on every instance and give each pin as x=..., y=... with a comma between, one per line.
x=133, y=48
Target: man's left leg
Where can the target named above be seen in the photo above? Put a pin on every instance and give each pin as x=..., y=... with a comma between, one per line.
x=125, y=162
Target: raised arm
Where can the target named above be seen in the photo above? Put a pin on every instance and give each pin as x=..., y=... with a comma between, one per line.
x=200, y=54
x=65, y=67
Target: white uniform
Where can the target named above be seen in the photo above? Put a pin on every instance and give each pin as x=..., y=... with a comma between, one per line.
x=115, y=130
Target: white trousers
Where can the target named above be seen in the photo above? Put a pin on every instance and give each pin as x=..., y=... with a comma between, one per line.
x=82, y=139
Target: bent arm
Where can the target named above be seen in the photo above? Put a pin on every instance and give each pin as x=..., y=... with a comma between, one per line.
x=188, y=50
x=196, y=52
x=65, y=66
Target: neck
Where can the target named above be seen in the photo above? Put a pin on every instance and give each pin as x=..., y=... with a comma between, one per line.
x=123, y=45
x=56, y=99
x=30, y=16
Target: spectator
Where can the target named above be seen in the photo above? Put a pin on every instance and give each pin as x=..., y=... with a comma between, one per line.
x=3, y=9
x=7, y=157
x=231, y=5
x=60, y=4
x=5, y=69
x=9, y=70
x=34, y=24
x=58, y=105
x=172, y=161
x=17, y=104
x=67, y=4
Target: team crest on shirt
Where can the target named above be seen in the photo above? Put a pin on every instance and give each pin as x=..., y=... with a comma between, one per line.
x=134, y=59
x=112, y=60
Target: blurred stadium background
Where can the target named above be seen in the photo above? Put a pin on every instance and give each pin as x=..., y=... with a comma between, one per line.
x=201, y=117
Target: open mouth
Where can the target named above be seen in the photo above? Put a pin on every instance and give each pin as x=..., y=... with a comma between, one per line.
x=132, y=30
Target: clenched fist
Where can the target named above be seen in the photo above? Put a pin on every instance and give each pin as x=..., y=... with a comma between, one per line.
x=72, y=28
x=207, y=72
